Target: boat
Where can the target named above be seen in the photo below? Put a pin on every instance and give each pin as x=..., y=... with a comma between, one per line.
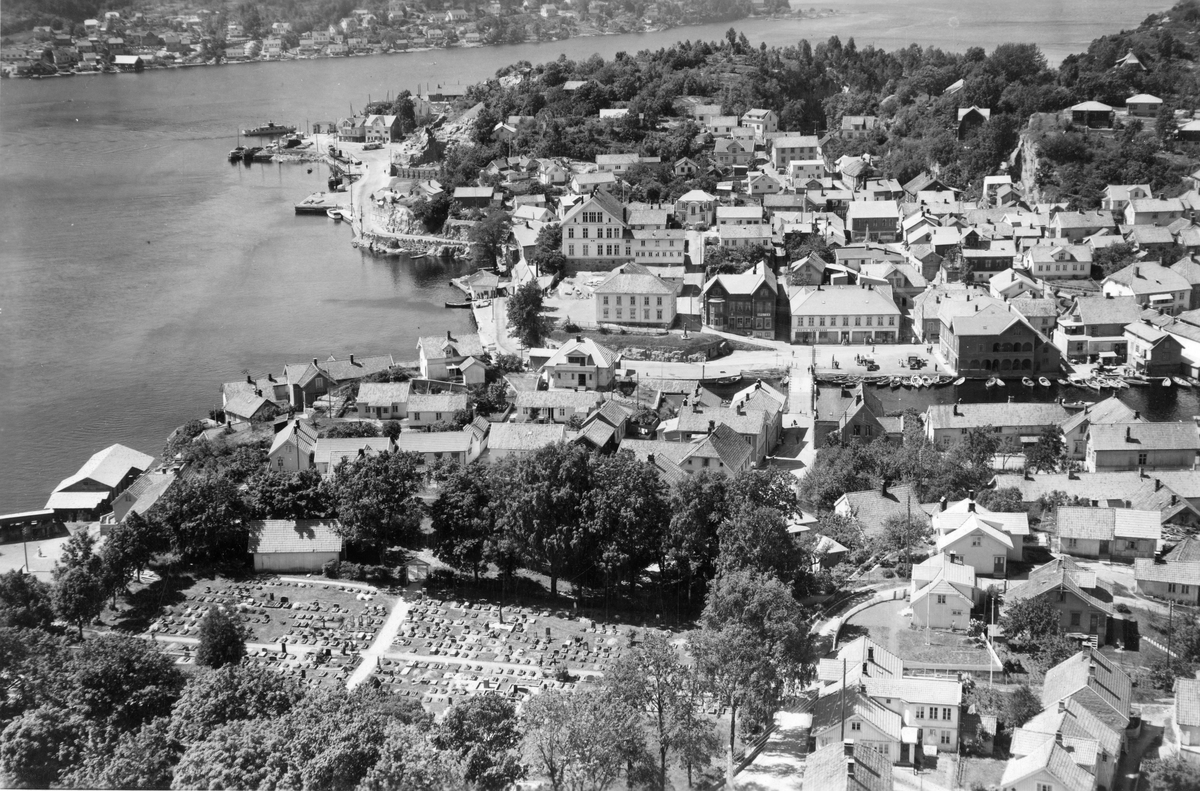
x=248, y=154
x=1137, y=381
x=896, y=382
x=237, y=153
x=1076, y=404
x=991, y=382
x=1025, y=380
x=908, y=381
x=1179, y=380
x=486, y=303
x=1166, y=382
x=335, y=215
x=1043, y=381
x=960, y=381
x=269, y=129
x=264, y=156
x=1094, y=384
x=465, y=304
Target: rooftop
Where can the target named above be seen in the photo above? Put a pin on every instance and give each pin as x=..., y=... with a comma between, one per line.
x=294, y=535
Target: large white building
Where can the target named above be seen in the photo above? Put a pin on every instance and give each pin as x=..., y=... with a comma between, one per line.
x=634, y=295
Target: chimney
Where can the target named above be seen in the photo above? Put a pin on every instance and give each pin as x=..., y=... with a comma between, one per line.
x=1142, y=472
x=352, y=359
x=712, y=426
x=943, y=502
x=297, y=424
x=258, y=393
x=1129, y=434
x=858, y=399
x=848, y=748
x=741, y=408
x=883, y=488
x=1137, y=415
x=649, y=458
x=1135, y=271
x=1092, y=667
x=976, y=307
x=579, y=339
x=314, y=361
x=249, y=379
x=449, y=337
x=971, y=506
x=270, y=377
x=1174, y=499
x=870, y=653
x=362, y=453
x=1157, y=484
x=954, y=409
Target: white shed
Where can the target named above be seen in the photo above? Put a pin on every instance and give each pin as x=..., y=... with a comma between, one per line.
x=294, y=545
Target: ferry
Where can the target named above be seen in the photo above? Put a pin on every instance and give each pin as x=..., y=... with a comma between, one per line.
x=270, y=128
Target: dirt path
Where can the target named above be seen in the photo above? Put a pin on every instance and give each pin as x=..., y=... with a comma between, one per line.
x=383, y=640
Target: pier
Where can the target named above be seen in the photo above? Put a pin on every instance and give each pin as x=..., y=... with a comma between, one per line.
x=317, y=203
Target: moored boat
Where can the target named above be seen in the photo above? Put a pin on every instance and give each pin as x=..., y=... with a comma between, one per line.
x=1076, y=404
x=1063, y=382
x=1137, y=381
x=335, y=215
x=270, y=128
x=464, y=304
x=962, y=380
x=1166, y=382
x=992, y=382
x=1179, y=380
x=1043, y=381
x=237, y=153
x=896, y=382
x=1025, y=380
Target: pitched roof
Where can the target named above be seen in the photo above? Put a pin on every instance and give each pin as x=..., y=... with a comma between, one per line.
x=1148, y=277
x=843, y=301
x=1094, y=681
x=383, y=393
x=1105, y=524
x=557, y=399
x=829, y=769
x=880, y=662
x=1051, y=757
x=1011, y=414
x=1178, y=572
x=246, y=406
x=935, y=691
x=293, y=535
x=1186, y=551
x=599, y=356
x=949, y=519
x=1106, y=310
x=941, y=566
x=873, y=507
x=974, y=524
x=438, y=346
x=747, y=282
x=827, y=713
x=304, y=434
x=109, y=467
x=525, y=436
x=345, y=370
x=1110, y=410
x=598, y=199
x=1059, y=574
x=1187, y=702
x=633, y=279
x=333, y=452
x=1145, y=436
x=725, y=444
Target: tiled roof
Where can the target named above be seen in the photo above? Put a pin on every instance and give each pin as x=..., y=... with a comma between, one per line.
x=1106, y=310
x=1030, y=307
x=746, y=282
x=1015, y=524
x=872, y=508
x=1187, y=702
x=934, y=691
x=438, y=346
x=1145, y=436
x=1089, y=670
x=724, y=444
x=383, y=393
x=1058, y=574
x=304, y=434
x=746, y=422
x=600, y=356
x=827, y=769
x=1187, y=268
x=827, y=713
x=1178, y=572
x=633, y=279
x=940, y=565
x=1051, y=757
x=843, y=301
x=525, y=436
x=1110, y=410
x=446, y=403
x=1103, y=488
x=333, y=451
x=434, y=441
x=547, y=399
x=75, y=500
x=880, y=662
x=972, y=524
x=293, y=535
x=1012, y=414
x=109, y=467
x=643, y=449
x=345, y=371
x=246, y=406
x=1105, y=524
x=1186, y=551
x=1147, y=277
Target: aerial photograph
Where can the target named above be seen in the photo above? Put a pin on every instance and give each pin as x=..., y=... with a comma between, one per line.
x=630, y=395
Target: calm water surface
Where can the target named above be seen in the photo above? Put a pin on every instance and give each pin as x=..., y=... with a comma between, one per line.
x=138, y=270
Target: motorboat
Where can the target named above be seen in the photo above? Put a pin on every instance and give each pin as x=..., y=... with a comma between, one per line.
x=463, y=305
x=1025, y=380
x=269, y=129
x=335, y=215
x=237, y=153
x=1043, y=381
x=896, y=381
x=1137, y=381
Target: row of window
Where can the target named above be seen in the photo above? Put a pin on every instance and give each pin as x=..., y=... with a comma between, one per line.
x=633, y=300
x=633, y=314
x=947, y=713
x=999, y=347
x=608, y=233
x=1072, y=543
x=1171, y=586
x=819, y=321
x=601, y=249
x=657, y=254
x=1002, y=365
x=596, y=217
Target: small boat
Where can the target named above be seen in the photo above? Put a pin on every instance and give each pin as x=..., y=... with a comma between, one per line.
x=1179, y=380
x=896, y=382
x=335, y=215
x=1095, y=384
x=908, y=381
x=1136, y=381
x=248, y=154
x=1043, y=381
x=465, y=304
x=269, y=129
x=1076, y=404
x=1166, y=382
x=960, y=381
x=486, y=303
x=237, y=153
x=991, y=382
x=1025, y=380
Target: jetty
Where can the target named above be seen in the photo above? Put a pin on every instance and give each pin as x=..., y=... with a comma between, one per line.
x=318, y=203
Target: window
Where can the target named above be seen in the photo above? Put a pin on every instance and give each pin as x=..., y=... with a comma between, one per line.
x=962, y=431
x=1075, y=617
x=646, y=301
x=946, y=716
x=920, y=712
x=1170, y=587
x=976, y=541
x=857, y=430
x=891, y=321
x=606, y=300
x=1072, y=542
x=585, y=247
x=1044, y=787
x=933, y=712
x=956, y=613
x=1186, y=589
x=606, y=313
x=845, y=321
x=1141, y=458
x=945, y=737
x=659, y=316
x=646, y=315
x=1062, y=596
x=570, y=249
x=618, y=300
x=1131, y=545
x=660, y=302
x=941, y=598
x=858, y=321
x=585, y=233
x=856, y=726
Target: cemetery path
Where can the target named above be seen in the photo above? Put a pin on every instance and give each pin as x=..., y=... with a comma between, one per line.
x=383, y=641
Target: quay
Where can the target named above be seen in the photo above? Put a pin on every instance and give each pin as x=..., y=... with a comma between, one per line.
x=317, y=203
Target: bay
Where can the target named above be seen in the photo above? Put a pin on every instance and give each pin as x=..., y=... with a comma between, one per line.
x=138, y=270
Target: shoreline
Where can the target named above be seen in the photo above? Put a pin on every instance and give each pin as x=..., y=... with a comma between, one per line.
x=801, y=15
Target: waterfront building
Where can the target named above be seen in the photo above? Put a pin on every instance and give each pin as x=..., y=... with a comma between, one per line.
x=1152, y=352
x=1093, y=328
x=1075, y=428
x=444, y=359
x=947, y=424
x=86, y=494
x=743, y=303
x=382, y=400
x=996, y=340
x=844, y=313
x=647, y=298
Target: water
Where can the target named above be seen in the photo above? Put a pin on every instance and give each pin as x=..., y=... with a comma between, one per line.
x=138, y=270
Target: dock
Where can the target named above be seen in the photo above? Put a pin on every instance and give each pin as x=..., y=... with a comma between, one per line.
x=317, y=203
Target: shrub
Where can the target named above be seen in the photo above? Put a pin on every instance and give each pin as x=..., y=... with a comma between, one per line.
x=571, y=326
x=1123, y=608
x=330, y=569
x=350, y=571
x=887, y=563
x=904, y=570
x=889, y=573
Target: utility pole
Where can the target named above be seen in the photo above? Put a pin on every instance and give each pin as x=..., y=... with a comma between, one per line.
x=1170, y=656
x=843, y=700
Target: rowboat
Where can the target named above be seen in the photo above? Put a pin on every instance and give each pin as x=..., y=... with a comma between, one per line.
x=1076, y=404
x=896, y=382
x=1025, y=380
x=1137, y=381
x=335, y=215
x=1166, y=382
x=992, y=382
x=465, y=304
x=962, y=380
x=1043, y=381
x=1063, y=382
x=1179, y=380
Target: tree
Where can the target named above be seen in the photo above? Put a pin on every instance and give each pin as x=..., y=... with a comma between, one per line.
x=432, y=212
x=376, y=499
x=222, y=640
x=25, y=601
x=771, y=487
x=489, y=236
x=1029, y=620
x=351, y=429
x=122, y=682
x=547, y=257
x=482, y=733
x=144, y=758
x=752, y=645
x=525, y=313
x=699, y=506
x=408, y=760
x=230, y=693
x=1003, y=500
x=464, y=518
x=277, y=494
x=1049, y=453
x=1171, y=774
x=652, y=679
x=627, y=508
x=905, y=533
x=38, y=746
x=1021, y=706
x=758, y=540
x=1114, y=257
x=582, y=739
x=204, y=517
x=79, y=596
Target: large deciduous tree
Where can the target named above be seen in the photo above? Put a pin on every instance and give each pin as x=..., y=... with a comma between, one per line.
x=584, y=739
x=489, y=236
x=376, y=499
x=483, y=734
x=547, y=257
x=222, y=640
x=25, y=601
x=204, y=517
x=525, y=317
x=464, y=518
x=1049, y=453
x=699, y=505
x=627, y=508
x=1026, y=621
x=752, y=646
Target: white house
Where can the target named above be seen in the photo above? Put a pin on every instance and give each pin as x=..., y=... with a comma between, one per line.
x=293, y=545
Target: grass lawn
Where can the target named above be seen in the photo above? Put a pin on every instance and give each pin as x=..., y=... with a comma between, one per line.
x=942, y=648
x=984, y=772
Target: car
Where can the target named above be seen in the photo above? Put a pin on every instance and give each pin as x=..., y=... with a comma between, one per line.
x=372, y=146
